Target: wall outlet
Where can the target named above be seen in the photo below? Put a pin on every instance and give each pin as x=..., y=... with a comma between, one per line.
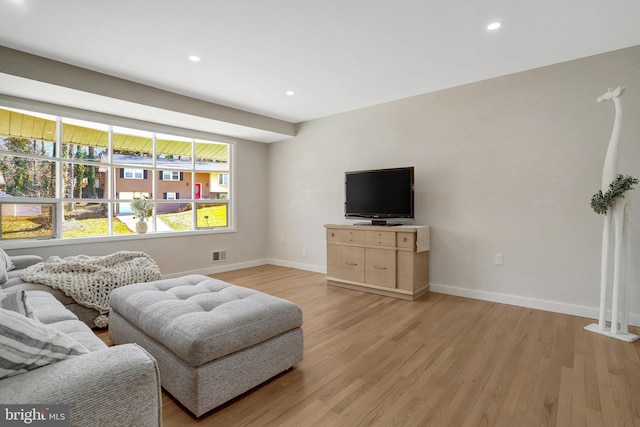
x=498, y=259
x=304, y=253
x=219, y=256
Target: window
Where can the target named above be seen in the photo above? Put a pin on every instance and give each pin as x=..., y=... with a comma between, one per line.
x=27, y=221
x=129, y=173
x=66, y=178
x=171, y=175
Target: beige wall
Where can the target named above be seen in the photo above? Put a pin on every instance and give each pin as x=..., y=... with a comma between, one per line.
x=507, y=166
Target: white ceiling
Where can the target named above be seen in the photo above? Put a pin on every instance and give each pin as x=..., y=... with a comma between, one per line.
x=337, y=55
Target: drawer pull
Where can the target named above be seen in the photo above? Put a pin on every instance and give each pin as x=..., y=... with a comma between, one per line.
x=379, y=268
x=333, y=234
x=351, y=264
x=404, y=239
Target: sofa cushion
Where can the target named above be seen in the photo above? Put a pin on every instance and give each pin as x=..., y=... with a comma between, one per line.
x=26, y=344
x=16, y=301
x=47, y=308
x=80, y=332
x=17, y=284
x=20, y=262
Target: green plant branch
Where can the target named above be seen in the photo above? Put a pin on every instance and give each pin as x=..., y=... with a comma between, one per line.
x=601, y=203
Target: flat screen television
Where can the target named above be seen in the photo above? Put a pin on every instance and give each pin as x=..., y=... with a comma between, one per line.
x=379, y=194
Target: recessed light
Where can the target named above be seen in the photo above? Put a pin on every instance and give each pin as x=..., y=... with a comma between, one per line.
x=494, y=26
x=194, y=58
x=289, y=93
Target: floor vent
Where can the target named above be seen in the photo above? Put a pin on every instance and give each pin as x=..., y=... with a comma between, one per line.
x=219, y=256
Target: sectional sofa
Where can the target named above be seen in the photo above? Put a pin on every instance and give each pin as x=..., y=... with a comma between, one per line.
x=103, y=386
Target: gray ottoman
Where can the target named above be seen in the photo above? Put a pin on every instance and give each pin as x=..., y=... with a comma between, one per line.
x=213, y=341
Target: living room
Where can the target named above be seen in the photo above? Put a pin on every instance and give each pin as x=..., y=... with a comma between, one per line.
x=504, y=165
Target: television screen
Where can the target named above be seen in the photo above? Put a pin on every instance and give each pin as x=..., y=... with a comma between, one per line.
x=381, y=193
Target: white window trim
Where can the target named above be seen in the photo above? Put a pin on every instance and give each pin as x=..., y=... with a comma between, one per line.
x=60, y=111
x=170, y=175
x=134, y=173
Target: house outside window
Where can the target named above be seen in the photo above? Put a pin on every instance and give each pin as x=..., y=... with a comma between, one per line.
x=223, y=179
x=66, y=178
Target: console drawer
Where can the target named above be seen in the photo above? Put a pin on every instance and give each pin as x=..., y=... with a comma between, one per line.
x=406, y=240
x=380, y=238
x=335, y=235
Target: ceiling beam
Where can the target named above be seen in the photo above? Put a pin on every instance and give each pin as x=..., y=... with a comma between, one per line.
x=33, y=67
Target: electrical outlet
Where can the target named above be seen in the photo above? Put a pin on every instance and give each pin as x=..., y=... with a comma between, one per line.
x=498, y=259
x=219, y=256
x=304, y=253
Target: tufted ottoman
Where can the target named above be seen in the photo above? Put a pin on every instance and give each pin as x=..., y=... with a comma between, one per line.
x=213, y=341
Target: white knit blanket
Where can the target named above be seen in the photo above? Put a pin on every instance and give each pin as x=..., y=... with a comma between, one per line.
x=90, y=279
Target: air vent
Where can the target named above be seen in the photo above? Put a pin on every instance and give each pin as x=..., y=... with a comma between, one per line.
x=219, y=256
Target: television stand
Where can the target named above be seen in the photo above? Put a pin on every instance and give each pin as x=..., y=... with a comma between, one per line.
x=391, y=261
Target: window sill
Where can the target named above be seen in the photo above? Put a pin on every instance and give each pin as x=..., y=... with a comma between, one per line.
x=40, y=243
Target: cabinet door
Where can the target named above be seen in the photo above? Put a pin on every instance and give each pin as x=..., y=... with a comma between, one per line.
x=380, y=267
x=345, y=262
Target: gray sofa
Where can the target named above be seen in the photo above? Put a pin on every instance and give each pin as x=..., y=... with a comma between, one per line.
x=109, y=386
x=15, y=283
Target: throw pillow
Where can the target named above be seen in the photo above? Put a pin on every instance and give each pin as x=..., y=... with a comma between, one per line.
x=16, y=301
x=6, y=260
x=6, y=265
x=3, y=273
x=27, y=344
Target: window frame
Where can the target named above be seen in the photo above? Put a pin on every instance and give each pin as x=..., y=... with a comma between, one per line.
x=171, y=175
x=133, y=172
x=61, y=113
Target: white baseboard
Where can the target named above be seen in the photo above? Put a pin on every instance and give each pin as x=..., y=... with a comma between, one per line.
x=223, y=266
x=556, y=307
x=218, y=268
x=300, y=266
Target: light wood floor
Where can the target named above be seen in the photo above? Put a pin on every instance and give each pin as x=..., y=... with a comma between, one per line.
x=439, y=361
